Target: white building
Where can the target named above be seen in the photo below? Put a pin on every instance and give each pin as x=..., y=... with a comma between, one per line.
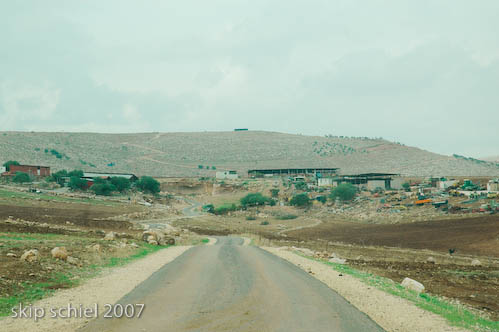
x=227, y=175
x=444, y=184
x=325, y=182
x=2, y=169
x=493, y=185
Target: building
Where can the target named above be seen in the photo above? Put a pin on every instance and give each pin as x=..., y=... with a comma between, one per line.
x=493, y=185
x=2, y=169
x=227, y=175
x=318, y=172
x=92, y=175
x=372, y=181
x=325, y=182
x=30, y=169
x=444, y=183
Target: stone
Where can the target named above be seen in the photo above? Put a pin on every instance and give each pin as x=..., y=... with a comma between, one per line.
x=30, y=256
x=152, y=241
x=71, y=260
x=111, y=236
x=337, y=260
x=476, y=262
x=431, y=260
x=11, y=254
x=413, y=285
x=59, y=253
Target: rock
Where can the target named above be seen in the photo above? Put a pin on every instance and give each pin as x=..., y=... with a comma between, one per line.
x=71, y=260
x=96, y=247
x=111, y=236
x=166, y=241
x=412, y=285
x=59, y=253
x=431, y=260
x=152, y=241
x=11, y=254
x=337, y=260
x=30, y=256
x=476, y=262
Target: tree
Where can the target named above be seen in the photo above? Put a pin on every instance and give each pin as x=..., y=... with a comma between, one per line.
x=76, y=172
x=148, y=184
x=254, y=199
x=301, y=185
x=75, y=182
x=122, y=184
x=406, y=186
x=104, y=189
x=345, y=192
x=300, y=200
x=21, y=177
x=7, y=164
x=58, y=176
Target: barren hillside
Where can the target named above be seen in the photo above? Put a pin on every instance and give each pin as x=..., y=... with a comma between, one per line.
x=182, y=154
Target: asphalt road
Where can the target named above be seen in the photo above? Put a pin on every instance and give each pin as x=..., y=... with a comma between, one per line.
x=230, y=287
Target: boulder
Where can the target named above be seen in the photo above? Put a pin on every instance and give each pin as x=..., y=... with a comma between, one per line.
x=59, y=253
x=476, y=262
x=412, y=285
x=111, y=236
x=166, y=240
x=11, y=254
x=431, y=260
x=30, y=256
x=71, y=260
x=152, y=241
x=337, y=260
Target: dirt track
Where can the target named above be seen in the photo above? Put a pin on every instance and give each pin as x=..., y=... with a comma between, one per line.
x=230, y=287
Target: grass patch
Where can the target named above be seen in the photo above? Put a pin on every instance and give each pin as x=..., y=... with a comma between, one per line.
x=205, y=241
x=286, y=217
x=455, y=315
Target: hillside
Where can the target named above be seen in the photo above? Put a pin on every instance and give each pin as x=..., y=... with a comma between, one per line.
x=492, y=159
x=180, y=154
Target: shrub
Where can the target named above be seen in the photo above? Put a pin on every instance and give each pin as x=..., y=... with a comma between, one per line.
x=250, y=218
x=209, y=208
x=58, y=176
x=121, y=184
x=406, y=186
x=76, y=182
x=78, y=173
x=200, y=166
x=322, y=199
x=21, y=177
x=148, y=184
x=274, y=192
x=254, y=199
x=104, y=189
x=300, y=200
x=345, y=192
x=224, y=209
x=8, y=163
x=264, y=223
x=301, y=185
x=286, y=217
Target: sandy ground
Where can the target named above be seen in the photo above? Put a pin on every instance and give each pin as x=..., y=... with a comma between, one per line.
x=107, y=288
x=390, y=312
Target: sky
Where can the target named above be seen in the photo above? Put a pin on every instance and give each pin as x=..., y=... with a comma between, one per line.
x=423, y=73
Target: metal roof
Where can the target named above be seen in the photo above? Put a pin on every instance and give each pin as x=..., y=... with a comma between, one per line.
x=98, y=175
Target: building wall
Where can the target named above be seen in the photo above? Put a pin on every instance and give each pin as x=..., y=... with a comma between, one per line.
x=446, y=184
x=32, y=170
x=396, y=183
x=325, y=182
x=493, y=186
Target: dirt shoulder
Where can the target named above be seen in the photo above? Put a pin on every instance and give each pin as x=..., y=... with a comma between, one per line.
x=390, y=312
x=107, y=288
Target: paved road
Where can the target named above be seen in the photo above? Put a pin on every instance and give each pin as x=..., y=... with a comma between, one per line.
x=231, y=287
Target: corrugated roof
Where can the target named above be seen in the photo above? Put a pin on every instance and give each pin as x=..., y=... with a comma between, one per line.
x=98, y=175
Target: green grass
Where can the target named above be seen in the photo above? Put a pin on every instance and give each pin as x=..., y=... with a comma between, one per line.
x=205, y=240
x=455, y=315
x=286, y=217
x=16, y=194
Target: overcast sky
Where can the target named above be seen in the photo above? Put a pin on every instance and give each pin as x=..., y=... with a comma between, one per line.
x=425, y=73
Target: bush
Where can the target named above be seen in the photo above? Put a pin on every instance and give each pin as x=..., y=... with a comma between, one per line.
x=345, y=192
x=148, y=184
x=21, y=177
x=58, y=176
x=406, y=186
x=300, y=200
x=121, y=184
x=224, y=209
x=301, y=185
x=254, y=199
x=104, y=189
x=250, y=218
x=78, y=173
x=274, y=192
x=209, y=208
x=286, y=217
x=264, y=223
x=76, y=182
x=322, y=199
x=8, y=163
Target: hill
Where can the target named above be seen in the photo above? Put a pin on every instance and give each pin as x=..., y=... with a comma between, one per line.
x=183, y=154
x=494, y=159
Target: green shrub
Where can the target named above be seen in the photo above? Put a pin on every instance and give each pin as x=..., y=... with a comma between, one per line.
x=8, y=163
x=345, y=192
x=300, y=200
x=121, y=184
x=58, y=176
x=322, y=199
x=264, y=223
x=406, y=186
x=224, y=209
x=200, y=166
x=76, y=182
x=274, y=192
x=250, y=218
x=254, y=199
x=148, y=184
x=301, y=185
x=21, y=177
x=104, y=189
x=76, y=172
x=209, y=208
x=286, y=217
